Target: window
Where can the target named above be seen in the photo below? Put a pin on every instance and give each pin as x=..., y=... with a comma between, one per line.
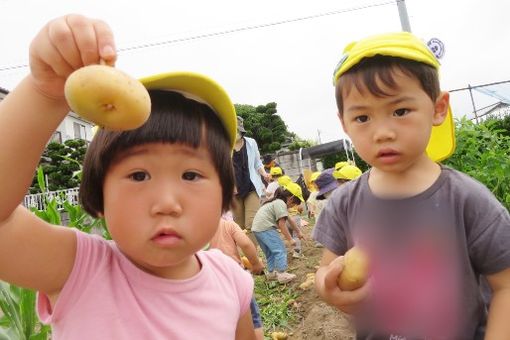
x=57, y=137
x=79, y=130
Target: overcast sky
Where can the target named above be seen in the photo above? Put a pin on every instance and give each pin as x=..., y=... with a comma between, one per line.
x=290, y=62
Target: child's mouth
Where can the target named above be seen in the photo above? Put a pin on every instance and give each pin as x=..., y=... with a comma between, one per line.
x=167, y=238
x=388, y=156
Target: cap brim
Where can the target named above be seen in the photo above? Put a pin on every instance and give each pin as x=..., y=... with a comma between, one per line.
x=442, y=139
x=330, y=187
x=202, y=88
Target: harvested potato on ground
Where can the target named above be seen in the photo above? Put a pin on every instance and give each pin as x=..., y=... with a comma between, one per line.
x=355, y=272
x=279, y=336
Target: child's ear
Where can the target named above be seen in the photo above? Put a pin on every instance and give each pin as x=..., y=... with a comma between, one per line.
x=441, y=108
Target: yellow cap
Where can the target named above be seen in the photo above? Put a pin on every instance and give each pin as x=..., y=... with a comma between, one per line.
x=202, y=89
x=348, y=172
x=295, y=190
x=284, y=180
x=407, y=46
x=276, y=171
x=314, y=176
x=340, y=165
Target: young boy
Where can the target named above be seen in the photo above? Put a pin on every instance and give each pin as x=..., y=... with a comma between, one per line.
x=430, y=231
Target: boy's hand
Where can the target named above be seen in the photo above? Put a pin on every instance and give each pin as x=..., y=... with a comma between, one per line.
x=327, y=288
x=64, y=45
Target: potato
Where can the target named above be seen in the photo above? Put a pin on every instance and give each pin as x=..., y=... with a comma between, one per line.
x=355, y=272
x=246, y=263
x=108, y=97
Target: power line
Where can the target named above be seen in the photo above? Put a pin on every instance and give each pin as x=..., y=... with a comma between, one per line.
x=233, y=30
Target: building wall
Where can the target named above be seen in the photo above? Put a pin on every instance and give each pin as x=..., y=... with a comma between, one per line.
x=289, y=162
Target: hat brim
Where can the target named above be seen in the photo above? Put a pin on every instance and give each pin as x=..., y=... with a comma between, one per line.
x=201, y=88
x=442, y=139
x=330, y=187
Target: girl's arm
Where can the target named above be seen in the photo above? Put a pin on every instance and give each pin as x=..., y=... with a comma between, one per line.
x=283, y=227
x=249, y=249
x=497, y=324
x=33, y=253
x=245, y=329
x=295, y=227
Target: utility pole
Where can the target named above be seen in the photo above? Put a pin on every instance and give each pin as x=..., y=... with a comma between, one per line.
x=319, y=137
x=404, y=18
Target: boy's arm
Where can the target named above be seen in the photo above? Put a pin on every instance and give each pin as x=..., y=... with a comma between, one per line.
x=326, y=284
x=33, y=253
x=498, y=326
x=245, y=329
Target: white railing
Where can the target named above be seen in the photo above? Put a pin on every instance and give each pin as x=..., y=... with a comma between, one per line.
x=38, y=201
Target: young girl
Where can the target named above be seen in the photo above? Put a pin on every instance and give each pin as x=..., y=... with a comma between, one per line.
x=161, y=189
x=274, y=214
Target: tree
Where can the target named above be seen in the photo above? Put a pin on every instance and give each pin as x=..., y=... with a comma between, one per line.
x=60, y=163
x=264, y=125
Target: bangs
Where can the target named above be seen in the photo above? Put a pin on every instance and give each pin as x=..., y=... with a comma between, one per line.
x=377, y=73
x=182, y=125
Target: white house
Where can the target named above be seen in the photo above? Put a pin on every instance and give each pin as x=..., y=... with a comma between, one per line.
x=72, y=127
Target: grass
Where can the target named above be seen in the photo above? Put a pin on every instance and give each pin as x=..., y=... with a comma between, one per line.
x=275, y=302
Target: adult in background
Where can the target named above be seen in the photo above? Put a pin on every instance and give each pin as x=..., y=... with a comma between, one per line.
x=248, y=169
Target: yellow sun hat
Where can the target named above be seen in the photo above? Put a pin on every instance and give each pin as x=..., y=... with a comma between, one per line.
x=284, y=180
x=276, y=171
x=407, y=46
x=295, y=190
x=348, y=172
x=340, y=165
x=202, y=89
x=314, y=176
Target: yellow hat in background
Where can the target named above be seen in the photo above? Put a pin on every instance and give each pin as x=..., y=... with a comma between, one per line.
x=348, y=172
x=340, y=165
x=295, y=190
x=314, y=176
x=202, y=89
x=284, y=180
x=407, y=46
x=276, y=171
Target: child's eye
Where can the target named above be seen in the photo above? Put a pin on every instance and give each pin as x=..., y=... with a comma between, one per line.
x=401, y=112
x=361, y=119
x=139, y=176
x=191, y=176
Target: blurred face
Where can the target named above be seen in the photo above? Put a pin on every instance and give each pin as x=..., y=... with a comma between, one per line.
x=391, y=133
x=162, y=203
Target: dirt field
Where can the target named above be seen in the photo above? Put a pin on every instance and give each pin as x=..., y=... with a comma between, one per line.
x=316, y=320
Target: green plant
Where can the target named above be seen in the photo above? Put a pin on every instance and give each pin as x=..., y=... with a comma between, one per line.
x=20, y=320
x=62, y=165
x=483, y=153
x=274, y=301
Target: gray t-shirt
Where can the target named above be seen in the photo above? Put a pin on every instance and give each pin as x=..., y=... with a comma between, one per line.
x=427, y=253
x=268, y=215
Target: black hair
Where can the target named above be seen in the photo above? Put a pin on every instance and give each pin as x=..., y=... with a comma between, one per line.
x=173, y=119
x=370, y=72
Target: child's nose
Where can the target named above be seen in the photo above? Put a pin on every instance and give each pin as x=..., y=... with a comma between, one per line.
x=384, y=132
x=166, y=202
